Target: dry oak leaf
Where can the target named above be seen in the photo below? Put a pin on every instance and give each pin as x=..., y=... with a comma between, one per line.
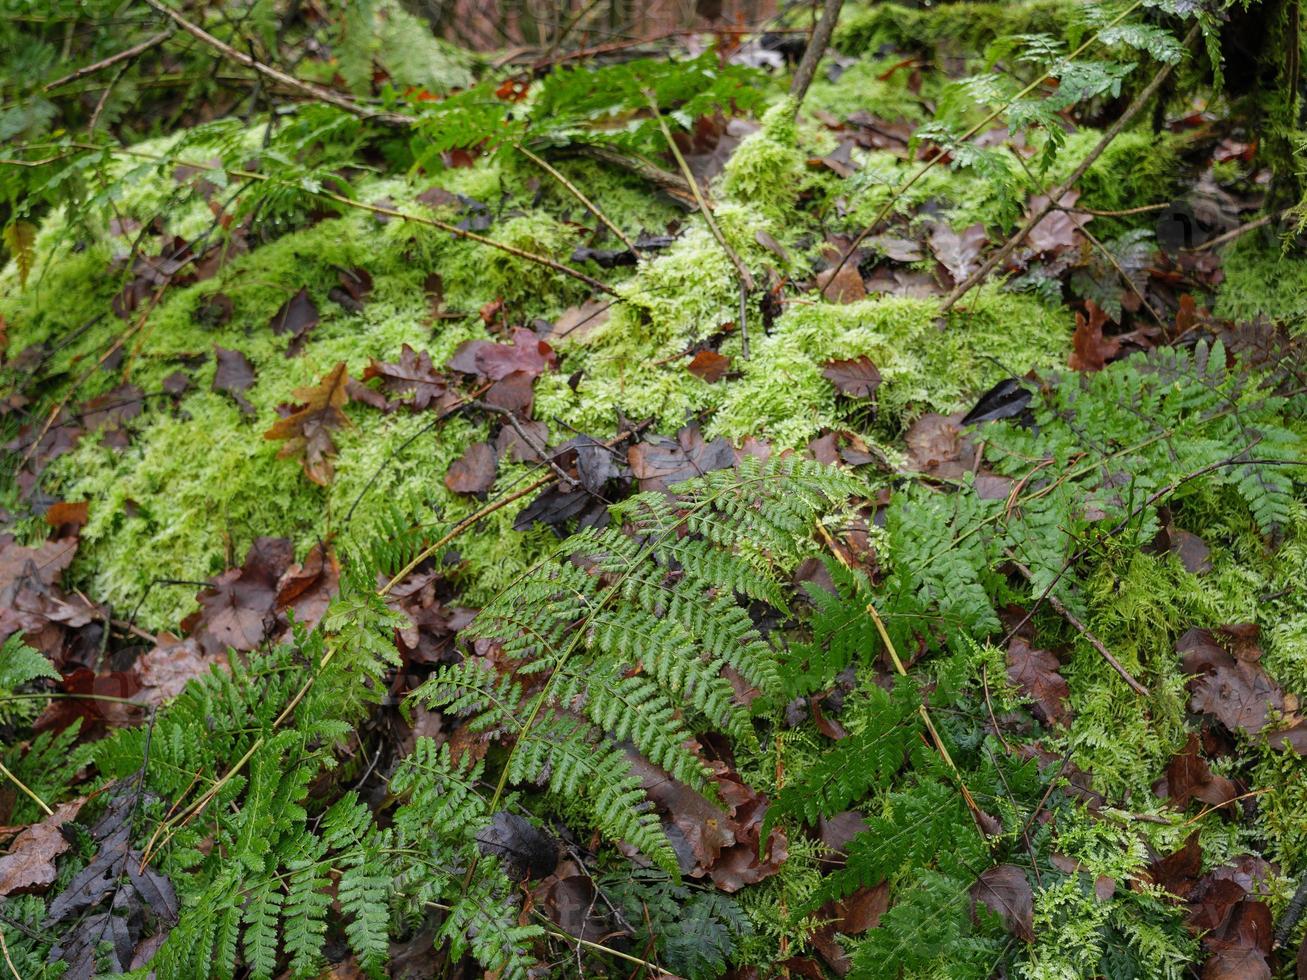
x=29, y=865
x=492, y=361
x=658, y=462
x=474, y=471
x=307, y=430
x=709, y=366
x=1035, y=672
x=857, y=377
x=234, y=374
x=414, y=373
x=237, y=609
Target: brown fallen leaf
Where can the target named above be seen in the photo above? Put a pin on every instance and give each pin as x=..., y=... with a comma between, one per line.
x=474, y=471
x=414, y=373
x=857, y=377
x=1188, y=777
x=1035, y=672
x=486, y=359
x=65, y=513
x=1090, y=350
x=709, y=366
x=237, y=609
x=306, y=429
x=658, y=462
x=957, y=252
x=305, y=590
x=297, y=316
x=842, y=286
x=1005, y=891
x=29, y=865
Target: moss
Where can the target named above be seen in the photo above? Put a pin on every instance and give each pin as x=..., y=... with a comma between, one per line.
x=1138, y=167
x=767, y=170
x=1261, y=280
x=872, y=84
x=954, y=27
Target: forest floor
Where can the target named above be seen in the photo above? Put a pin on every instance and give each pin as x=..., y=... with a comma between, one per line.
x=1080, y=506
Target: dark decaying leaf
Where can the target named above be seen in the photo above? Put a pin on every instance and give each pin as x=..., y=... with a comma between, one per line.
x=1035, y=672
x=474, y=471
x=1006, y=892
x=355, y=285
x=1188, y=777
x=1192, y=551
x=843, y=285
x=658, y=462
x=234, y=375
x=307, y=429
x=297, y=316
x=524, y=851
x=857, y=377
x=1178, y=873
x=1005, y=400
x=304, y=590
x=113, y=408
x=510, y=444
x=485, y=359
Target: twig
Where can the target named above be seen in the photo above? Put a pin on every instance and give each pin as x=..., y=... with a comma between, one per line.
x=124, y=55
x=276, y=74
x=1075, y=622
x=4, y=948
x=673, y=185
x=531, y=442
x=1130, y=283
x=1055, y=196
x=1239, y=232
x=4, y=771
x=741, y=270
x=979, y=127
x=813, y=53
x=576, y=192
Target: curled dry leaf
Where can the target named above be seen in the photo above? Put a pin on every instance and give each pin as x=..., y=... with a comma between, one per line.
x=306, y=430
x=659, y=462
x=1035, y=672
x=709, y=366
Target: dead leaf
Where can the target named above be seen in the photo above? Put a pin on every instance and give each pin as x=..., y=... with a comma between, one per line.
x=857, y=377
x=1188, y=777
x=1035, y=672
x=30, y=864
x=414, y=373
x=958, y=252
x=709, y=366
x=486, y=359
x=474, y=471
x=67, y=514
x=659, y=462
x=1005, y=891
x=1090, y=350
x=843, y=285
x=236, y=610
x=933, y=441
x=1238, y=696
x=307, y=429
x=306, y=590
x=1178, y=873
x=234, y=375
x=297, y=316
x=577, y=322
x=1192, y=551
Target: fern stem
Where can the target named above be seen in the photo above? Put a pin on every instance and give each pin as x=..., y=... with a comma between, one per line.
x=4, y=771
x=979, y=127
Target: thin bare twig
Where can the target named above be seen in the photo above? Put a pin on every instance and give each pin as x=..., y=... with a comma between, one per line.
x=125, y=55
x=309, y=89
x=1239, y=232
x=1055, y=196
x=1081, y=628
x=588, y=204
x=4, y=771
x=741, y=270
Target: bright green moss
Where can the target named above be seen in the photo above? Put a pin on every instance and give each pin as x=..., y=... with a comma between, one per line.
x=1261, y=280
x=767, y=170
x=953, y=27
x=1139, y=167
x=861, y=88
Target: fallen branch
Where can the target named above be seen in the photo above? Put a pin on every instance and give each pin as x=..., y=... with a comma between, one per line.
x=813, y=53
x=113, y=59
x=1055, y=196
x=575, y=191
x=309, y=89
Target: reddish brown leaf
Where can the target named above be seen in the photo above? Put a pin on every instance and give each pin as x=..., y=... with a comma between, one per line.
x=486, y=359
x=1192, y=551
x=1239, y=964
x=1090, y=350
x=30, y=864
x=1188, y=778
x=659, y=462
x=958, y=252
x=113, y=408
x=306, y=590
x=1036, y=673
x=1178, y=873
x=306, y=430
x=234, y=375
x=709, y=366
x=1059, y=230
x=1005, y=891
x=355, y=285
x=512, y=393
x=1238, y=696
x=474, y=471
x=933, y=441
x=511, y=445
x=165, y=670
x=414, y=373
x=65, y=513
x=857, y=377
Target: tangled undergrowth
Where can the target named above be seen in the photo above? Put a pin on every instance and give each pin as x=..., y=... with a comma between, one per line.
x=593, y=580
